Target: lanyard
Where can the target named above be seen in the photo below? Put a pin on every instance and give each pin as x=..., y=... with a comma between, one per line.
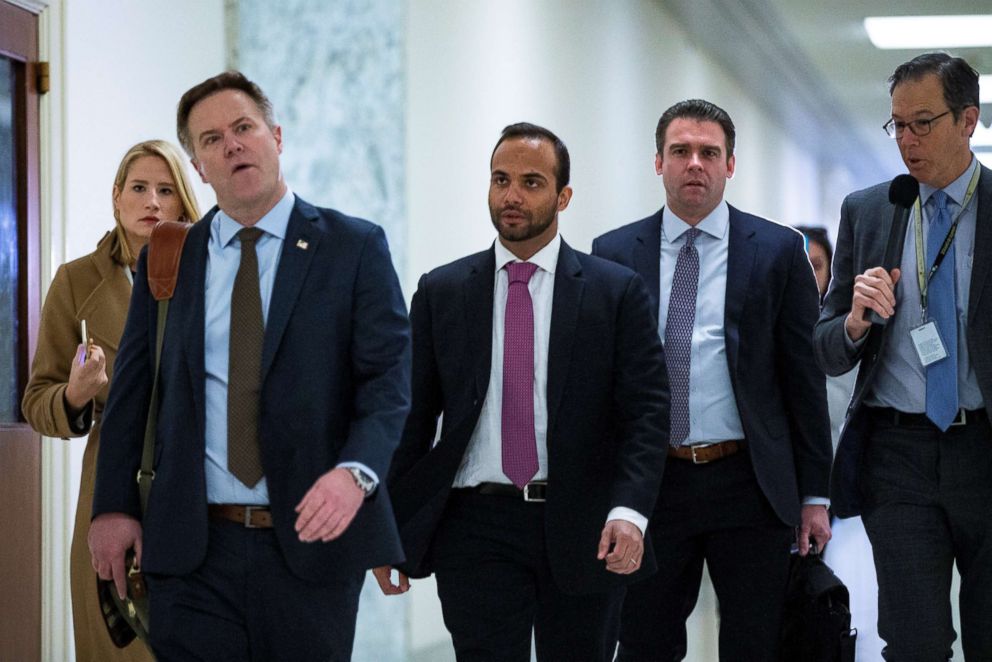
x=924, y=279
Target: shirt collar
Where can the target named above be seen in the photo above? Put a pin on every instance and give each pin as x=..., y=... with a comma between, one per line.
x=545, y=259
x=714, y=224
x=956, y=190
x=274, y=222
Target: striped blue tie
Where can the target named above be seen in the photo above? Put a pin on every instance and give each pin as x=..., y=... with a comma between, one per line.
x=942, y=376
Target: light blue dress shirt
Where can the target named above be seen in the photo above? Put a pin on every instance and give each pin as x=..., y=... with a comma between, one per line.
x=713, y=415
x=223, y=260
x=901, y=380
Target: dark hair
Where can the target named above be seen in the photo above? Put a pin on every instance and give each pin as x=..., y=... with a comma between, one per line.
x=229, y=80
x=817, y=234
x=526, y=130
x=702, y=111
x=957, y=77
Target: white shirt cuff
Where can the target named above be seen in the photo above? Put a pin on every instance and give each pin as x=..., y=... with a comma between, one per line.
x=816, y=501
x=629, y=515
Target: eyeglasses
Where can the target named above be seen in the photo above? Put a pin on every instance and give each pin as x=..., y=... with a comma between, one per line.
x=894, y=128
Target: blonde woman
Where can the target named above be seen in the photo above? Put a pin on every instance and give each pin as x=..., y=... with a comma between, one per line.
x=70, y=379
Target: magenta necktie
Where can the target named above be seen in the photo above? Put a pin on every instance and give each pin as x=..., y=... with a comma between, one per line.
x=519, y=442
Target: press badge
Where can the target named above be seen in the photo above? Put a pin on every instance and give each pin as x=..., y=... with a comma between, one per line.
x=926, y=340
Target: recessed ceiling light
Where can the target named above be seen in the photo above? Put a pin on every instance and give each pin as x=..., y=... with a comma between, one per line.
x=961, y=31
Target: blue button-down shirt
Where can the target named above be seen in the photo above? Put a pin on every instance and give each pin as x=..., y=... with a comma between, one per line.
x=901, y=380
x=713, y=415
x=223, y=259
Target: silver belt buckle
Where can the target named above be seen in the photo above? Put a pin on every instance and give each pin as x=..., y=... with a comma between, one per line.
x=248, y=511
x=528, y=497
x=693, y=448
x=961, y=418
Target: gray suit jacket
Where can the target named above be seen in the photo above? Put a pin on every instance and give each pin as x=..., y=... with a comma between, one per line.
x=865, y=220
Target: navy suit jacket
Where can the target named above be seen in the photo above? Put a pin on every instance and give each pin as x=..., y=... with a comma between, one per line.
x=335, y=387
x=771, y=307
x=607, y=399
x=865, y=221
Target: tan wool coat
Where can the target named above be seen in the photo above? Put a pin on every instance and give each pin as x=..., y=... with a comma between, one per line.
x=95, y=288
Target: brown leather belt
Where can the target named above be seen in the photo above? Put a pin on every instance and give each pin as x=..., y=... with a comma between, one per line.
x=251, y=517
x=703, y=454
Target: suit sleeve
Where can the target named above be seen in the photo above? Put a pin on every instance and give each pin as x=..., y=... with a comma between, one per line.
x=123, y=426
x=804, y=385
x=421, y=424
x=380, y=360
x=833, y=349
x=641, y=398
x=44, y=405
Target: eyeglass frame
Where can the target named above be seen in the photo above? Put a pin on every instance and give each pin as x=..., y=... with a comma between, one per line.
x=896, y=131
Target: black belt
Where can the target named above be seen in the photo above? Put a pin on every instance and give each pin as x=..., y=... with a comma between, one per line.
x=896, y=417
x=251, y=517
x=534, y=491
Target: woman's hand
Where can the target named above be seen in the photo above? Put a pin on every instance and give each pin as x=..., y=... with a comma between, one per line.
x=87, y=376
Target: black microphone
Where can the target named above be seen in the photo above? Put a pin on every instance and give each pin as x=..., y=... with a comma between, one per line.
x=903, y=192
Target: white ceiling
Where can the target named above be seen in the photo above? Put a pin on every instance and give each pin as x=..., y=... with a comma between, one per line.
x=812, y=65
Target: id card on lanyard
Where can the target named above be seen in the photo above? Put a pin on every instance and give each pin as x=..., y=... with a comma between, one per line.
x=926, y=337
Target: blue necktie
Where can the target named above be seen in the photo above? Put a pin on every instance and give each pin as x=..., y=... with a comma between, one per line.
x=942, y=376
x=678, y=335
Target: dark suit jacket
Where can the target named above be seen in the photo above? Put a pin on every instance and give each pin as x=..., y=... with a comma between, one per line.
x=607, y=406
x=865, y=220
x=771, y=306
x=335, y=388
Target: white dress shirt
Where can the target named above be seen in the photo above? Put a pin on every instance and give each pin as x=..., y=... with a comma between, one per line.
x=483, y=461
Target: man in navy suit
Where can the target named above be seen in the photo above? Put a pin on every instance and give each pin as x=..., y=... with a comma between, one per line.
x=546, y=366
x=915, y=458
x=749, y=453
x=283, y=388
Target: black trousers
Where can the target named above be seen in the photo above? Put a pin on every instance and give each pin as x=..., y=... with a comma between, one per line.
x=928, y=504
x=714, y=512
x=244, y=604
x=496, y=589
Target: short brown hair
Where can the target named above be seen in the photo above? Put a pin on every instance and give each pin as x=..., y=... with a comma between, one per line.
x=229, y=80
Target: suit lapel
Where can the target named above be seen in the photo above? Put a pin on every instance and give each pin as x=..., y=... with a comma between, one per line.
x=565, y=306
x=740, y=260
x=294, y=262
x=647, y=254
x=982, y=263
x=478, y=306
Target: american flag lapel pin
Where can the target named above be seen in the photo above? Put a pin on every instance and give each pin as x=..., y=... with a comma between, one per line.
x=302, y=244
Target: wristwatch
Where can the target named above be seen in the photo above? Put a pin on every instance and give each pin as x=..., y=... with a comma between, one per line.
x=363, y=480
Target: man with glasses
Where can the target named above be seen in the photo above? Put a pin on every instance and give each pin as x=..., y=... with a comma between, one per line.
x=915, y=458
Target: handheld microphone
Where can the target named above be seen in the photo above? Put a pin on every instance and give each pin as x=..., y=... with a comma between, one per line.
x=903, y=192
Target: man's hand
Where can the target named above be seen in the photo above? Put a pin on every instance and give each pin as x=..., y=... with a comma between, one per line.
x=383, y=575
x=110, y=536
x=873, y=290
x=622, y=546
x=328, y=508
x=815, y=523
x=86, y=380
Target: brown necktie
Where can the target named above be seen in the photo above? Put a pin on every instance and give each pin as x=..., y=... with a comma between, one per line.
x=245, y=365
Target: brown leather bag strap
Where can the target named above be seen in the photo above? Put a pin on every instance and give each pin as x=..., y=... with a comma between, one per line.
x=165, y=248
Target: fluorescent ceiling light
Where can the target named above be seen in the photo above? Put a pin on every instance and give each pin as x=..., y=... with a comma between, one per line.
x=985, y=88
x=961, y=31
